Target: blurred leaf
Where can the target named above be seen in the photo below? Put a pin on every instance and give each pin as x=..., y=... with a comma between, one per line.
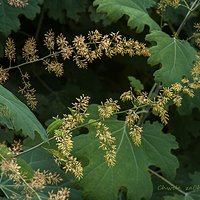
x=135, y=83
x=136, y=10
x=188, y=103
x=17, y=116
x=185, y=131
x=25, y=168
x=9, y=15
x=132, y=162
x=98, y=17
x=176, y=57
x=60, y=9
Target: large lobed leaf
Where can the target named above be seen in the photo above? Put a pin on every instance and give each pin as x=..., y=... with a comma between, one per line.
x=135, y=9
x=131, y=170
x=17, y=116
x=9, y=15
x=175, y=56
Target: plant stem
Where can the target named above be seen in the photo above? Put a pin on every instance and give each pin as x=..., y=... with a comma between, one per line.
x=167, y=181
x=191, y=9
x=40, y=144
x=38, y=60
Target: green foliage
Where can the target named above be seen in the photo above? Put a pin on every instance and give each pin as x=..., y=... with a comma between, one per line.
x=171, y=47
x=131, y=170
x=177, y=63
x=135, y=83
x=136, y=10
x=9, y=18
x=14, y=113
x=61, y=9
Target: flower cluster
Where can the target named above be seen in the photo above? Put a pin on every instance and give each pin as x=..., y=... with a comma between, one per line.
x=27, y=91
x=106, y=143
x=3, y=75
x=135, y=133
x=10, y=50
x=18, y=3
x=107, y=109
x=164, y=3
x=83, y=50
x=62, y=194
x=196, y=35
x=29, y=50
x=64, y=137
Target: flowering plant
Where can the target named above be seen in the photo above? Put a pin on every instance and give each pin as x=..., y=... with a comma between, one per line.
x=119, y=139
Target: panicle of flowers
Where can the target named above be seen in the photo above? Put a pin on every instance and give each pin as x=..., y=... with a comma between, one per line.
x=10, y=50
x=54, y=66
x=131, y=118
x=127, y=96
x=159, y=107
x=164, y=3
x=107, y=143
x=62, y=194
x=10, y=168
x=135, y=133
x=38, y=182
x=42, y=178
x=18, y=3
x=66, y=50
x=29, y=50
x=16, y=147
x=64, y=136
x=49, y=40
x=28, y=92
x=87, y=51
x=143, y=99
x=3, y=75
x=108, y=108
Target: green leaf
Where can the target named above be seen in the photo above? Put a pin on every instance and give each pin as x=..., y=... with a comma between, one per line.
x=16, y=115
x=25, y=168
x=188, y=103
x=60, y=9
x=135, y=83
x=176, y=57
x=9, y=15
x=135, y=9
x=132, y=162
x=54, y=126
x=5, y=152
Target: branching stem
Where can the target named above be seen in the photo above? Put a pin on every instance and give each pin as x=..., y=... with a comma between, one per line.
x=191, y=9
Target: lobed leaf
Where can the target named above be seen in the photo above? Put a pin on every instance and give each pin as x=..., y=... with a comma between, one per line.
x=132, y=162
x=17, y=116
x=175, y=56
x=136, y=10
x=9, y=20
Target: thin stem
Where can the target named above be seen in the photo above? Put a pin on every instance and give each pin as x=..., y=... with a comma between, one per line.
x=40, y=144
x=191, y=9
x=154, y=90
x=167, y=181
x=33, y=61
x=34, y=147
